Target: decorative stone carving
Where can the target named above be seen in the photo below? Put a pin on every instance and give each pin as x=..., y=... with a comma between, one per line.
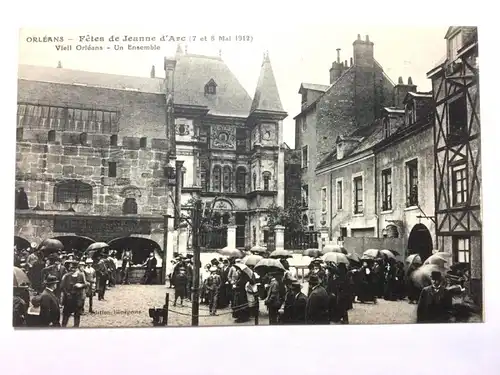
x=223, y=205
x=268, y=133
x=223, y=137
x=255, y=136
x=182, y=129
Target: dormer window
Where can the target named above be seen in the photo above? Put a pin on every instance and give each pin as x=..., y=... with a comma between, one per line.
x=211, y=88
x=454, y=45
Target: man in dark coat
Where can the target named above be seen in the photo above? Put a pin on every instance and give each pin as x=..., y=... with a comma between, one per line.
x=55, y=269
x=435, y=301
x=50, y=312
x=150, y=265
x=101, y=271
x=22, y=200
x=273, y=300
x=286, y=318
x=299, y=304
x=126, y=262
x=180, y=283
x=317, y=309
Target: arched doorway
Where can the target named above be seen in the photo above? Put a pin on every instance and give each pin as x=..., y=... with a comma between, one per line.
x=74, y=243
x=140, y=247
x=420, y=241
x=21, y=243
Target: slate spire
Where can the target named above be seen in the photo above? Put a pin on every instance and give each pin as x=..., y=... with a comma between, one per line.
x=266, y=96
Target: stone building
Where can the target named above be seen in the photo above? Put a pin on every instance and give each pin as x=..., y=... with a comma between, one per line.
x=376, y=186
x=91, y=154
x=231, y=145
x=353, y=100
x=457, y=130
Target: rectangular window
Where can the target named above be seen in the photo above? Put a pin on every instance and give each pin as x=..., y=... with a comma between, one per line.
x=305, y=196
x=304, y=123
x=459, y=184
x=112, y=169
x=386, y=190
x=358, y=195
x=340, y=197
x=387, y=128
x=457, y=118
x=412, y=183
x=461, y=249
x=19, y=134
x=324, y=199
x=305, y=160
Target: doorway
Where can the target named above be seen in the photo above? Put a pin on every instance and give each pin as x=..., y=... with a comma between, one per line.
x=420, y=241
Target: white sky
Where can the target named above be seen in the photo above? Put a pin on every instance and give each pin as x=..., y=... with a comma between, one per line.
x=296, y=55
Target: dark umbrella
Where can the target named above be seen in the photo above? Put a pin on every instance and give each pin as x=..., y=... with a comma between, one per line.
x=79, y=243
x=280, y=254
x=353, y=257
x=20, y=278
x=51, y=245
x=97, y=246
x=334, y=249
x=267, y=265
x=313, y=253
x=252, y=260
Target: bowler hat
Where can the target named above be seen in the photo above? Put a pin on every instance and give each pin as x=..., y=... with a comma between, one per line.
x=51, y=279
x=436, y=275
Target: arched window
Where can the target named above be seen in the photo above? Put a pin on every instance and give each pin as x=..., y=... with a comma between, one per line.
x=254, y=178
x=266, y=177
x=72, y=191
x=216, y=179
x=226, y=174
x=240, y=180
x=129, y=206
x=204, y=177
x=305, y=222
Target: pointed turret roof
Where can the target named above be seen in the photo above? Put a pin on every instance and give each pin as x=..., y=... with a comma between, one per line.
x=266, y=96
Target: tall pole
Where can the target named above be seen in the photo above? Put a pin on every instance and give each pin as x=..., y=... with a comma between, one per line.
x=178, y=191
x=196, y=227
x=169, y=67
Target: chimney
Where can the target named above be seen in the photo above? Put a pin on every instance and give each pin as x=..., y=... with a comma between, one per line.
x=336, y=71
x=153, y=71
x=338, y=55
x=351, y=62
x=401, y=90
x=59, y=64
x=363, y=52
x=345, y=63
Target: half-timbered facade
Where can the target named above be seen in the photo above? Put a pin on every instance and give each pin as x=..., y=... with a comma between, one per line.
x=455, y=84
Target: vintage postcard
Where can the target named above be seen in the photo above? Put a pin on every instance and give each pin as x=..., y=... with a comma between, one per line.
x=238, y=179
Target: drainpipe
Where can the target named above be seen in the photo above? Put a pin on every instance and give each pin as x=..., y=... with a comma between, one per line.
x=375, y=187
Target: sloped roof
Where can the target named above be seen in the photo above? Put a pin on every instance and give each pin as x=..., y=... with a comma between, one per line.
x=313, y=86
x=91, y=79
x=193, y=72
x=267, y=97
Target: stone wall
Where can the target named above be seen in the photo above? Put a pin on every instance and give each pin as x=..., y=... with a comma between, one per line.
x=139, y=175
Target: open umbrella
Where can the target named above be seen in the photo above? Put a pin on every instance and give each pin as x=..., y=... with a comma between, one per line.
x=252, y=260
x=334, y=249
x=353, y=257
x=335, y=258
x=371, y=254
x=413, y=259
x=231, y=253
x=388, y=254
x=258, y=249
x=438, y=259
x=394, y=252
x=20, y=277
x=245, y=269
x=280, y=254
x=267, y=265
x=51, y=245
x=97, y=246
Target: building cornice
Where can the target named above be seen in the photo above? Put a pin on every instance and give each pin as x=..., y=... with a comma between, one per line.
x=351, y=159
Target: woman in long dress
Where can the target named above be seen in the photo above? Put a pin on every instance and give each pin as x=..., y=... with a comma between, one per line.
x=241, y=311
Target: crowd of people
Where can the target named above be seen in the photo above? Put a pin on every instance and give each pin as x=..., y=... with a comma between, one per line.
x=64, y=283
